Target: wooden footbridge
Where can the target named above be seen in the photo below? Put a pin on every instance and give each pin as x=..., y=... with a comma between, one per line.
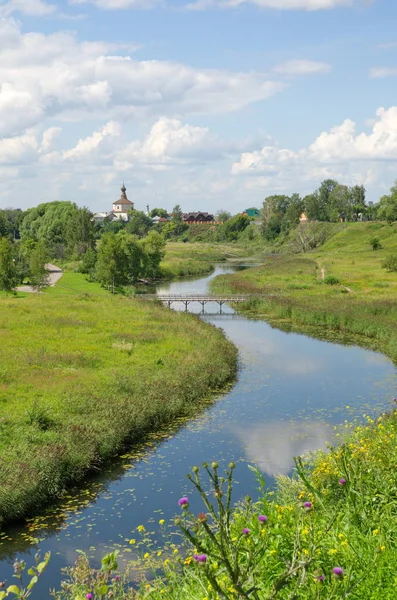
x=202, y=299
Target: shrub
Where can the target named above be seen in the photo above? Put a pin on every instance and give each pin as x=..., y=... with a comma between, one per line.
x=390, y=263
x=331, y=280
x=375, y=243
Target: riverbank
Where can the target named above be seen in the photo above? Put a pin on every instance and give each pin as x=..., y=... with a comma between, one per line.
x=83, y=378
x=328, y=533
x=341, y=288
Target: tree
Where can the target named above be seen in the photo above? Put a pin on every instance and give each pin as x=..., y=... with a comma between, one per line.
x=159, y=212
x=223, y=215
x=8, y=272
x=38, y=274
x=139, y=223
x=111, y=264
x=153, y=253
x=177, y=220
x=387, y=206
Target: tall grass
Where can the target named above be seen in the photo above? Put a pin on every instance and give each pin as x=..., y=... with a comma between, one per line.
x=82, y=376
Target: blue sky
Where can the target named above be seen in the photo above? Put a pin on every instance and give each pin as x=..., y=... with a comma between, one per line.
x=212, y=104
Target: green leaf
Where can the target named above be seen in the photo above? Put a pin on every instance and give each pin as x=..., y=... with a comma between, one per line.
x=31, y=571
x=13, y=589
x=102, y=590
x=2, y=595
x=33, y=581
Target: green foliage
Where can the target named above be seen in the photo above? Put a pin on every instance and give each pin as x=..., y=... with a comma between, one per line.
x=38, y=274
x=19, y=590
x=8, y=271
x=331, y=280
x=92, y=363
x=375, y=243
x=231, y=229
x=223, y=215
x=327, y=532
x=387, y=206
x=159, y=212
x=390, y=263
x=139, y=224
x=65, y=229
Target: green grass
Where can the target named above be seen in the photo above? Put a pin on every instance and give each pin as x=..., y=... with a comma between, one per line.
x=294, y=292
x=188, y=259
x=83, y=373
x=350, y=523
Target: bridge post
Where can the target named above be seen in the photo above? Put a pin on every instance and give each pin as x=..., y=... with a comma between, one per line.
x=186, y=302
x=202, y=302
x=220, y=306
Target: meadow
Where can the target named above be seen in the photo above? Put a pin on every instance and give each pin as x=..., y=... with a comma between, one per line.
x=340, y=287
x=189, y=259
x=84, y=373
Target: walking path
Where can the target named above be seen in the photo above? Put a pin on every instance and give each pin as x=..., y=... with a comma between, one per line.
x=54, y=275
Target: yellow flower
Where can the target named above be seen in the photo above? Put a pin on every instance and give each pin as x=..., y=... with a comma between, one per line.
x=332, y=551
x=375, y=532
x=161, y=522
x=132, y=542
x=141, y=528
x=382, y=548
x=167, y=561
x=341, y=536
x=305, y=531
x=146, y=555
x=272, y=552
x=188, y=560
x=159, y=552
x=176, y=550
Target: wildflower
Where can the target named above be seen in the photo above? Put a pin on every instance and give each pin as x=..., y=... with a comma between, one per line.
x=262, y=518
x=308, y=506
x=184, y=502
x=232, y=465
x=246, y=531
x=116, y=578
x=214, y=465
x=188, y=560
x=89, y=596
x=338, y=572
x=146, y=555
x=196, y=469
x=201, y=558
x=202, y=517
x=176, y=550
x=342, y=481
x=141, y=528
x=375, y=532
x=132, y=542
x=161, y=522
x=320, y=578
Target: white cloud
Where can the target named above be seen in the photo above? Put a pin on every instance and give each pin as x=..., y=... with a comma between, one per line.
x=34, y=8
x=341, y=153
x=99, y=144
x=378, y=72
x=309, y=5
x=57, y=76
x=119, y=4
x=301, y=67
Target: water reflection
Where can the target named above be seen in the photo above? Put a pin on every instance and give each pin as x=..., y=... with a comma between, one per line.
x=272, y=447
x=291, y=391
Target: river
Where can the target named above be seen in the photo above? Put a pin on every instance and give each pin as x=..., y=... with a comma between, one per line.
x=290, y=393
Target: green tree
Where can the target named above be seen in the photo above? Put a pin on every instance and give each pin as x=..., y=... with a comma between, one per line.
x=159, y=212
x=111, y=264
x=223, y=215
x=38, y=274
x=8, y=272
x=139, y=223
x=153, y=252
x=387, y=206
x=177, y=220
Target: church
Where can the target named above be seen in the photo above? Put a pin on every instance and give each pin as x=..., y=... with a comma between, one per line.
x=120, y=210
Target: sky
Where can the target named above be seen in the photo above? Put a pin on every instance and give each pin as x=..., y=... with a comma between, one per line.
x=210, y=104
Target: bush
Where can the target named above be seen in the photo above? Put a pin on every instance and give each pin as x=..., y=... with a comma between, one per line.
x=390, y=263
x=331, y=280
x=375, y=243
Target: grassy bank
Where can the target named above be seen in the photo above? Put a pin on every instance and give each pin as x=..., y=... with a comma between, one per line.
x=189, y=259
x=342, y=287
x=328, y=533
x=82, y=374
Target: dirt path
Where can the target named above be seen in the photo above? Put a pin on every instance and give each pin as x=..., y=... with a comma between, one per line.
x=54, y=275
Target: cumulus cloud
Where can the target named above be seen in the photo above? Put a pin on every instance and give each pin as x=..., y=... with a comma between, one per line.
x=341, y=143
x=33, y=8
x=302, y=67
x=57, y=76
x=308, y=5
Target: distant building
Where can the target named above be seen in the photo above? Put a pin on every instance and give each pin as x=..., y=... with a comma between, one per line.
x=122, y=206
x=304, y=218
x=120, y=210
x=253, y=213
x=198, y=217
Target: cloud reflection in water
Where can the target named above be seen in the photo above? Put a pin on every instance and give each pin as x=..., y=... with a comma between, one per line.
x=272, y=446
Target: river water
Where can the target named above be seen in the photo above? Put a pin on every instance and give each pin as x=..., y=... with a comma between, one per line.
x=291, y=392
